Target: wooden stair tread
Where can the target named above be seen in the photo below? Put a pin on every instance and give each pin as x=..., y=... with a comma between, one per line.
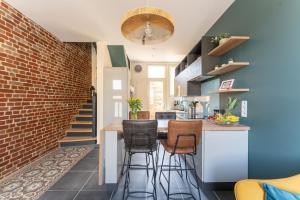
x=77, y=139
x=79, y=130
x=86, y=104
x=84, y=115
x=81, y=122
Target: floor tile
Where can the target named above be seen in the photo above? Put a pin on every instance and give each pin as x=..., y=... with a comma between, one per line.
x=72, y=181
x=86, y=164
x=93, y=154
x=93, y=195
x=225, y=195
x=58, y=195
x=93, y=185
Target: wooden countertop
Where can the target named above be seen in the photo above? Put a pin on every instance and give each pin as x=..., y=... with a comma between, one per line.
x=207, y=126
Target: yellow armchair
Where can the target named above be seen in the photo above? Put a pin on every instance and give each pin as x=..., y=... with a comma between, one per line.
x=251, y=189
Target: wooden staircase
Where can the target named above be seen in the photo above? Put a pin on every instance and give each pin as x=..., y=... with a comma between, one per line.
x=81, y=131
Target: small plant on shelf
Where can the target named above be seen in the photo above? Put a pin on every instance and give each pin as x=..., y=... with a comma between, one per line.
x=220, y=38
x=135, y=105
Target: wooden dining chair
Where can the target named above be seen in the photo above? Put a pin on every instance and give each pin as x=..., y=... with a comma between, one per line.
x=141, y=115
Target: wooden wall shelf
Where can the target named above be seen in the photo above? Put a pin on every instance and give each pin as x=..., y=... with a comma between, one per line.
x=232, y=42
x=228, y=68
x=232, y=90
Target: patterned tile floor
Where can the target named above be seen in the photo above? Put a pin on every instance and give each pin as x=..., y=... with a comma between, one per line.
x=80, y=183
x=35, y=179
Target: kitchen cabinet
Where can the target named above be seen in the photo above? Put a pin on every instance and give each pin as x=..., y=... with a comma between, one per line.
x=222, y=156
x=184, y=83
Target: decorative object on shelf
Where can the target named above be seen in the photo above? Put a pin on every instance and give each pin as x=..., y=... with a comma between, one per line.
x=216, y=67
x=226, y=85
x=228, y=68
x=147, y=25
x=231, y=104
x=230, y=43
x=138, y=68
x=135, y=105
x=230, y=61
x=220, y=38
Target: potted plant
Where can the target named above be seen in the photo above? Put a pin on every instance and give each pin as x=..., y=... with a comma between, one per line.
x=231, y=104
x=135, y=105
x=220, y=38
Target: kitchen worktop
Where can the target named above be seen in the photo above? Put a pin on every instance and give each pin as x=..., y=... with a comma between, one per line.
x=207, y=126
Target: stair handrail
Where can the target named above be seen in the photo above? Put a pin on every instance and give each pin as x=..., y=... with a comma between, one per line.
x=94, y=115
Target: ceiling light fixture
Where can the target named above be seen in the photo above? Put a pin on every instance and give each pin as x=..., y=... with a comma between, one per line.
x=147, y=25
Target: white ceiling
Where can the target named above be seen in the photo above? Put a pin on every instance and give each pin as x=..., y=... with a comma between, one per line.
x=95, y=20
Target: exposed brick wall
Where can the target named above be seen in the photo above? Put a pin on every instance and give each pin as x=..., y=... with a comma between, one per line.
x=42, y=82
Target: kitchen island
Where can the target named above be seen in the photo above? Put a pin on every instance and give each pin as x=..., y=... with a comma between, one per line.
x=222, y=154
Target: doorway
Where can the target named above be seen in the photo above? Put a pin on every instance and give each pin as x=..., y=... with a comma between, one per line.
x=156, y=88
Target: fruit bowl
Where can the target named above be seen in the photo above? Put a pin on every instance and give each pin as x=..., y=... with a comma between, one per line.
x=230, y=120
x=226, y=123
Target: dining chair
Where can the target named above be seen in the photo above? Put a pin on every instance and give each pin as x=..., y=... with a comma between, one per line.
x=141, y=115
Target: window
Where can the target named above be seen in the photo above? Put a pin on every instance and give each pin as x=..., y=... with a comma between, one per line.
x=117, y=85
x=118, y=106
x=156, y=71
x=172, y=79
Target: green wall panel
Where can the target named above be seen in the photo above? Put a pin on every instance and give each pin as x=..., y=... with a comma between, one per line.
x=117, y=55
x=273, y=78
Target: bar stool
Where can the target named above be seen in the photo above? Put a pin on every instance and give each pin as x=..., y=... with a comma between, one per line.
x=140, y=115
x=162, y=136
x=183, y=138
x=140, y=138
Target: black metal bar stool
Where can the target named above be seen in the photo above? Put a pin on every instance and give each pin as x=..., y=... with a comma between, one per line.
x=162, y=136
x=140, y=115
x=140, y=138
x=183, y=138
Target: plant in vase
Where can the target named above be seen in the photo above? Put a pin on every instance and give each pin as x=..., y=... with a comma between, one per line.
x=135, y=105
x=220, y=38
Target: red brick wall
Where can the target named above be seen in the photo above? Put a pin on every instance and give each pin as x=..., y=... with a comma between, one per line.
x=42, y=82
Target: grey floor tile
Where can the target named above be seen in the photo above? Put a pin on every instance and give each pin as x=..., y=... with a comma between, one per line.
x=58, y=195
x=93, y=195
x=72, y=181
x=93, y=154
x=225, y=195
x=92, y=184
x=86, y=164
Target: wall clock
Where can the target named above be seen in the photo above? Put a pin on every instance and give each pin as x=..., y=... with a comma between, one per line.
x=138, y=68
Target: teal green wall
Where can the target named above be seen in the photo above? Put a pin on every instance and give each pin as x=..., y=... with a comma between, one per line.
x=273, y=78
x=117, y=55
